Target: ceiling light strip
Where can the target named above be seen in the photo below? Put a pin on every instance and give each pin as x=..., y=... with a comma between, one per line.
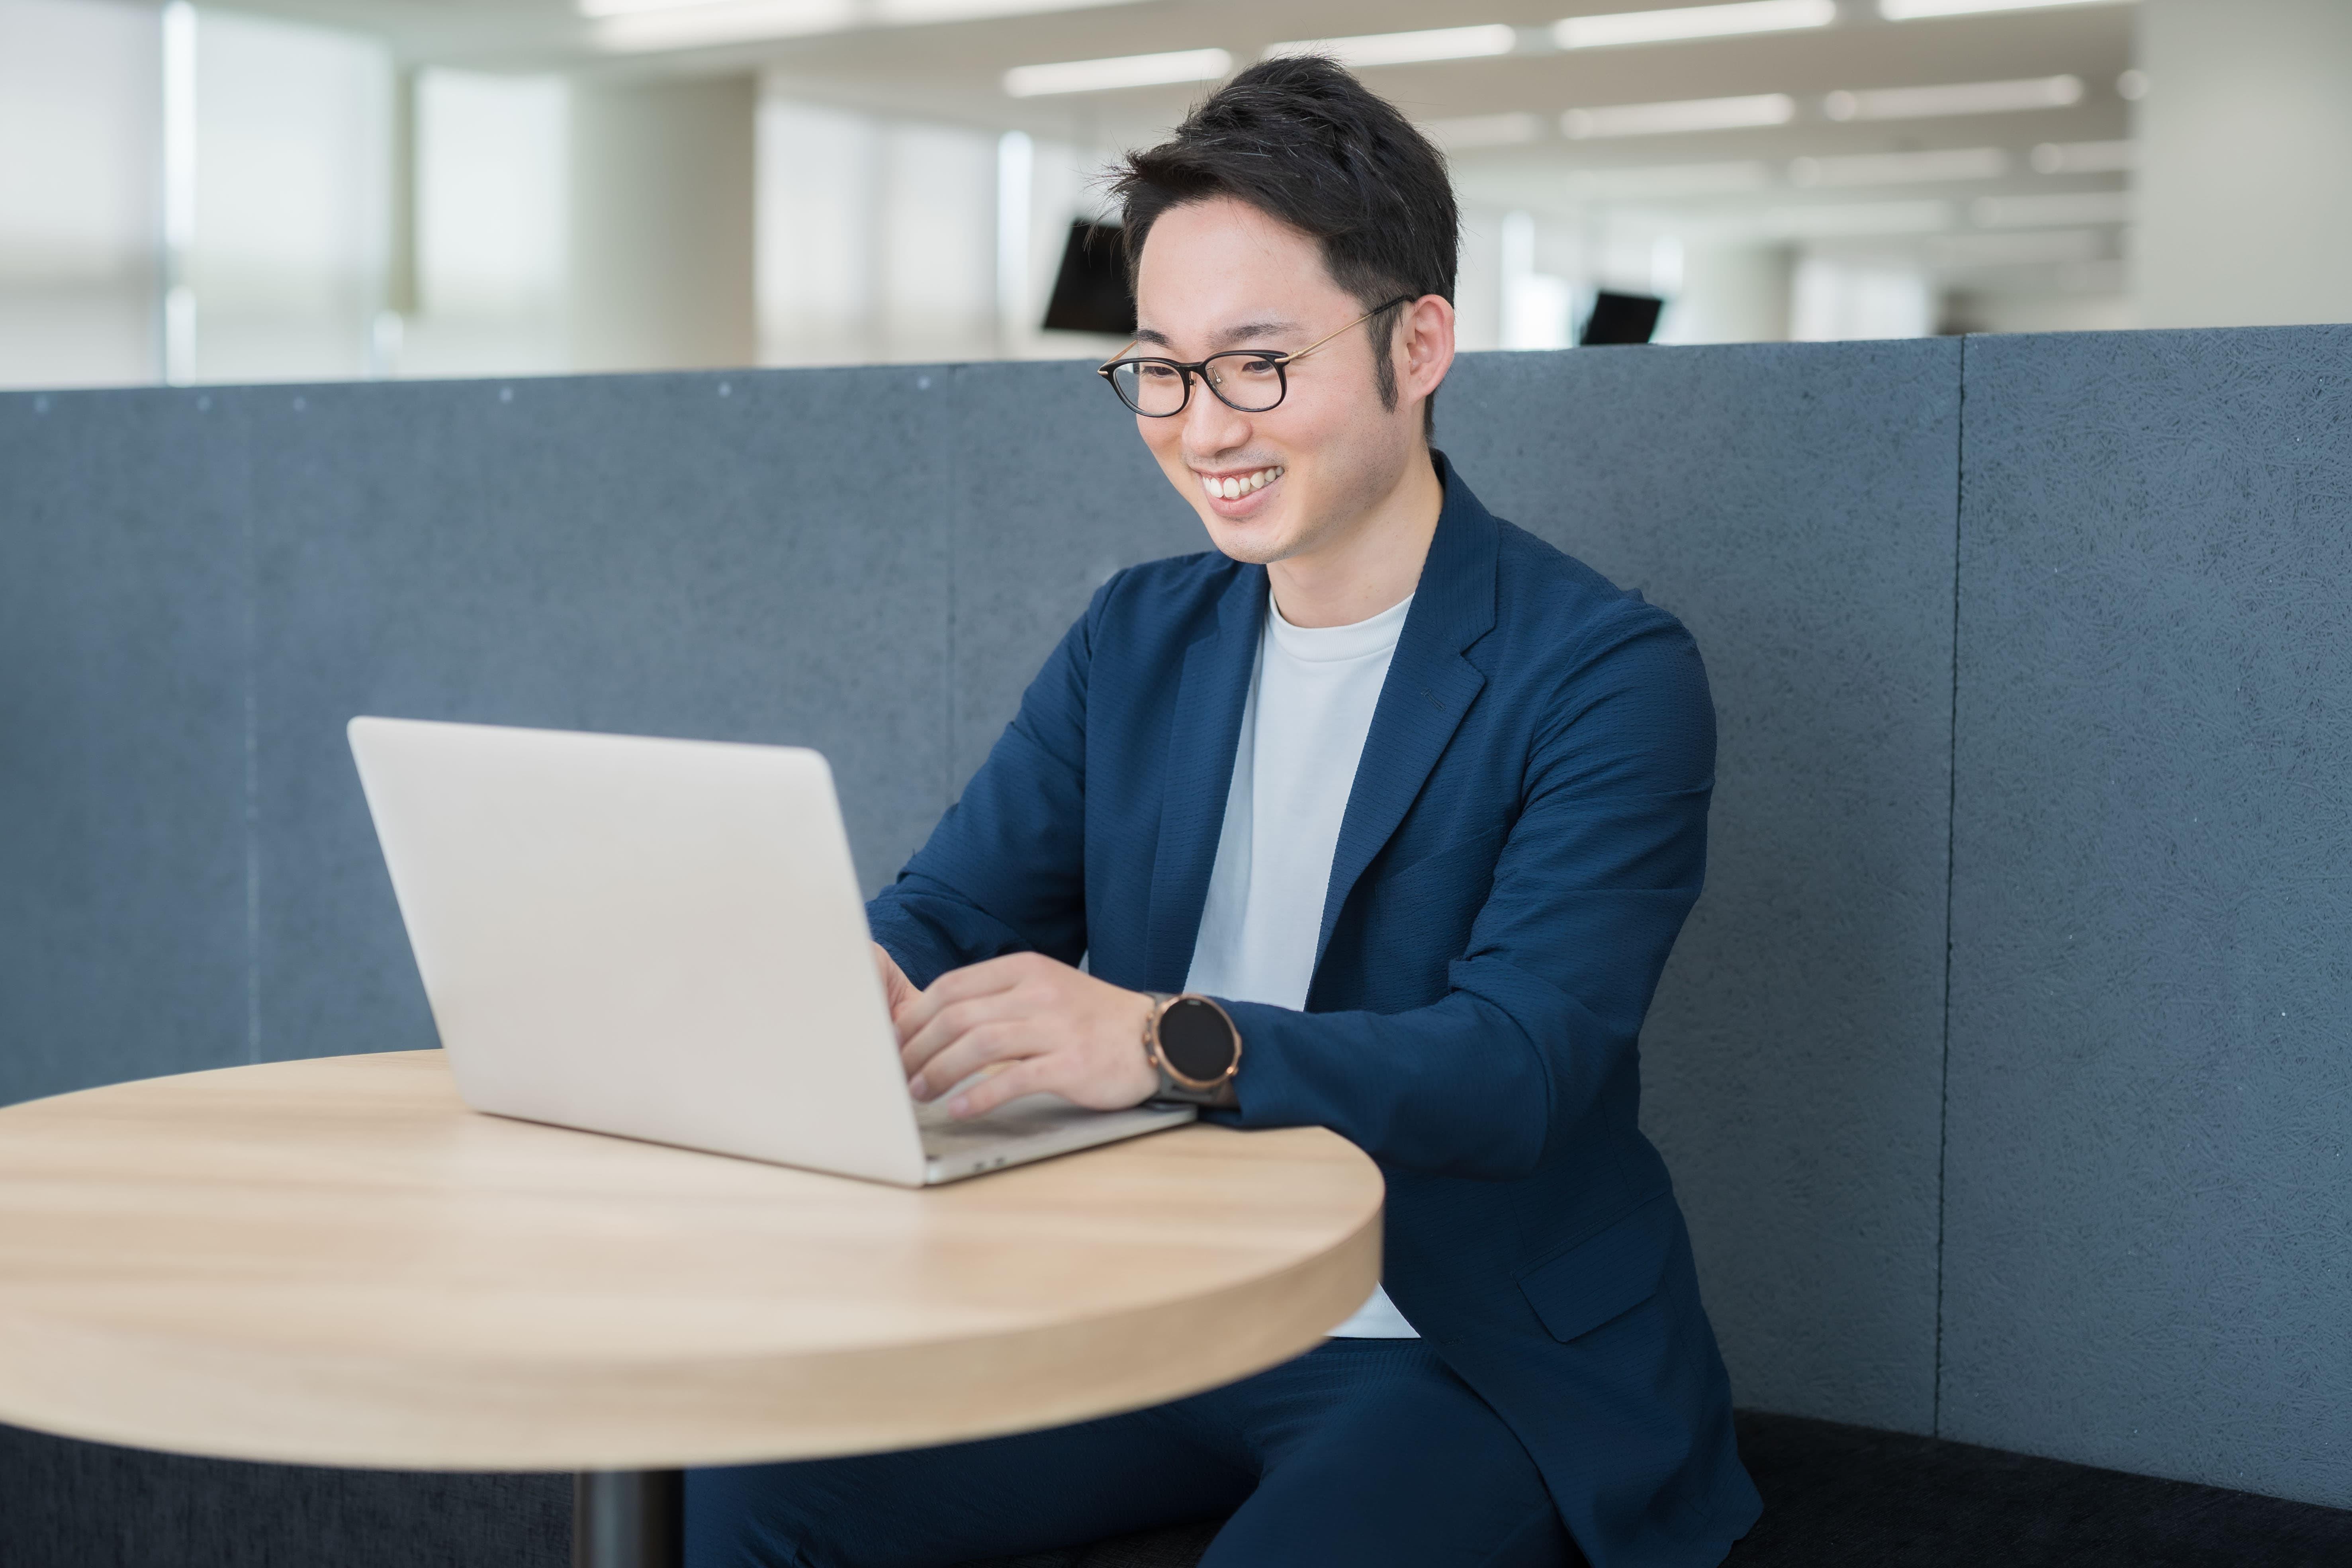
x=1684, y=21
x=1485, y=130
x=2053, y=211
x=1666, y=181
x=646, y=26
x=1955, y=98
x=1173, y=67
x=634, y=8
x=1369, y=49
x=1918, y=10
x=1682, y=115
x=685, y=27
x=1899, y=168
x=2085, y=157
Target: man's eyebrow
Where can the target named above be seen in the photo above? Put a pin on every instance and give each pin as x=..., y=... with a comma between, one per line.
x=1249, y=330
x=1226, y=339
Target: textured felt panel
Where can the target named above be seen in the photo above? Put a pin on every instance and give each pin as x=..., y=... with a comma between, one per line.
x=1794, y=505
x=1054, y=492
x=2148, y=1227
x=756, y=557
x=1835, y=1497
x=122, y=728
x=65, y=1504
x=1847, y=1496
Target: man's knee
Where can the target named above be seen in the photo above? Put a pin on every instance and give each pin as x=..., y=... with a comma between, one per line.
x=751, y=1517
x=1417, y=1470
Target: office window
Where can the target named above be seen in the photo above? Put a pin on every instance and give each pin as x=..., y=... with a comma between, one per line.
x=878, y=239
x=292, y=186
x=80, y=193
x=492, y=176
x=1837, y=299
x=817, y=236
x=937, y=244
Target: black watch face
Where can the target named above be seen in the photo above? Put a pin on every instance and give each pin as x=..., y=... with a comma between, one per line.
x=1195, y=1040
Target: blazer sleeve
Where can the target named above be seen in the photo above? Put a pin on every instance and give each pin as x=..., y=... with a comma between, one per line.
x=1004, y=871
x=1589, y=887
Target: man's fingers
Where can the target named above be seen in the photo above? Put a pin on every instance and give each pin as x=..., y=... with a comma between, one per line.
x=1025, y=1077
x=957, y=986
x=972, y=1051
x=897, y=991
x=950, y=1024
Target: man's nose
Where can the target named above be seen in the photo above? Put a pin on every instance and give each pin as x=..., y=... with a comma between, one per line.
x=1210, y=426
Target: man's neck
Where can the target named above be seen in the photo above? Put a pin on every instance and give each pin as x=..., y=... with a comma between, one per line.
x=1374, y=564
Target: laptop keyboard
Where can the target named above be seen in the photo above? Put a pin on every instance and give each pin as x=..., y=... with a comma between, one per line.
x=1030, y=1115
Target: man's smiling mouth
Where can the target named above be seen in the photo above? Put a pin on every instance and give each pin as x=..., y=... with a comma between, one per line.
x=1233, y=487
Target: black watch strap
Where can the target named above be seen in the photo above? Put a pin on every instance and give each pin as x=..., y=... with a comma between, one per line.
x=1193, y=1046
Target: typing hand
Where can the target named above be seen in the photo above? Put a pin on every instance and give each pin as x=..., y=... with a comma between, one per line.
x=1040, y=1023
x=897, y=989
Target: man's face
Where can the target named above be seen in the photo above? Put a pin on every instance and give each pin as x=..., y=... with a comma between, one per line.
x=1220, y=275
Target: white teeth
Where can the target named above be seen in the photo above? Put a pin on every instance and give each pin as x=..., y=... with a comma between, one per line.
x=1236, y=488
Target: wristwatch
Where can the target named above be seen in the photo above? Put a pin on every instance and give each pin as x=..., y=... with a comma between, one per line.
x=1194, y=1044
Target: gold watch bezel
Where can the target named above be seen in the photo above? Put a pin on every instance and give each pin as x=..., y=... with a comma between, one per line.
x=1161, y=1002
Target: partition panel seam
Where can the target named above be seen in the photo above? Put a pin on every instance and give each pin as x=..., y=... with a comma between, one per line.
x=951, y=558
x=1951, y=821
x=250, y=586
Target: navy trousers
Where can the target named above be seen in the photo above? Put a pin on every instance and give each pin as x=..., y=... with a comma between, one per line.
x=1361, y=1452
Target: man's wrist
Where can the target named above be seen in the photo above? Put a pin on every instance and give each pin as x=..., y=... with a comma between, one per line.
x=1193, y=1049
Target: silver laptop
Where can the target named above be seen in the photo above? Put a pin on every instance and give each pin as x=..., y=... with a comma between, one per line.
x=664, y=939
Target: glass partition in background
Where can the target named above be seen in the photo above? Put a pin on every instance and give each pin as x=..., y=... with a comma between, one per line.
x=291, y=203
x=189, y=193
x=492, y=178
x=80, y=193
x=887, y=240
x=188, y=197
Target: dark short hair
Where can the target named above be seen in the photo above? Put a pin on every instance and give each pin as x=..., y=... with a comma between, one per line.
x=1305, y=143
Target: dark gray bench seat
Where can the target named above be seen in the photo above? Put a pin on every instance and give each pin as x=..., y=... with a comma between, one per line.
x=1835, y=1497
x=1848, y=1497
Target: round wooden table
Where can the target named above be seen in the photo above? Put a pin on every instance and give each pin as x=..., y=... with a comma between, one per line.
x=333, y=1262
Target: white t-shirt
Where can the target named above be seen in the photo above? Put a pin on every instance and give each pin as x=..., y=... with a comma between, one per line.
x=1310, y=705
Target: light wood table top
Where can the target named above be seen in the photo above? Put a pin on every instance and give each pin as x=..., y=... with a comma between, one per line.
x=334, y=1262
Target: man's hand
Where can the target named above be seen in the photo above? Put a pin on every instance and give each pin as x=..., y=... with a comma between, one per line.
x=897, y=989
x=1044, y=1025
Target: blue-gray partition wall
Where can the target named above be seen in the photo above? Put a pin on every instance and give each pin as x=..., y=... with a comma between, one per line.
x=2147, y=1252
x=125, y=625
x=748, y=557
x=2002, y=1066
x=1793, y=505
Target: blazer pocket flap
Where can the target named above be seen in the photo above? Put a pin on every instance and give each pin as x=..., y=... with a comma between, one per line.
x=1604, y=1276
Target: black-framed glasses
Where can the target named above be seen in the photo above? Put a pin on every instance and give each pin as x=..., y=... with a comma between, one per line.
x=1247, y=381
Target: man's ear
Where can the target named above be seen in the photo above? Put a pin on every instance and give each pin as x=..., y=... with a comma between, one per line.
x=1425, y=346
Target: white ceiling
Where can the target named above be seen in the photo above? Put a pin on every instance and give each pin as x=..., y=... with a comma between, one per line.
x=1748, y=181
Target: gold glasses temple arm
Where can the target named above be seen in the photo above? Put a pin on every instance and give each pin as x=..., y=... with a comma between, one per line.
x=1310, y=348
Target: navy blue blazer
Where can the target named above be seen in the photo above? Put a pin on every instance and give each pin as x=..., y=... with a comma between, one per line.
x=1526, y=832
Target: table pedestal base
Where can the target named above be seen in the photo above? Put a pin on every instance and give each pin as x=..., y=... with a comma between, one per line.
x=628, y=1519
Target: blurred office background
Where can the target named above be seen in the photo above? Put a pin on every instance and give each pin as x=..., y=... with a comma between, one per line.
x=322, y=189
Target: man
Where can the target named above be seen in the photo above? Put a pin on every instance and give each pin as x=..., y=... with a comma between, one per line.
x=1418, y=805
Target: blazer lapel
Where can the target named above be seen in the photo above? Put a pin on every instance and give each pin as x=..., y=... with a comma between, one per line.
x=1201, y=740
x=1429, y=686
